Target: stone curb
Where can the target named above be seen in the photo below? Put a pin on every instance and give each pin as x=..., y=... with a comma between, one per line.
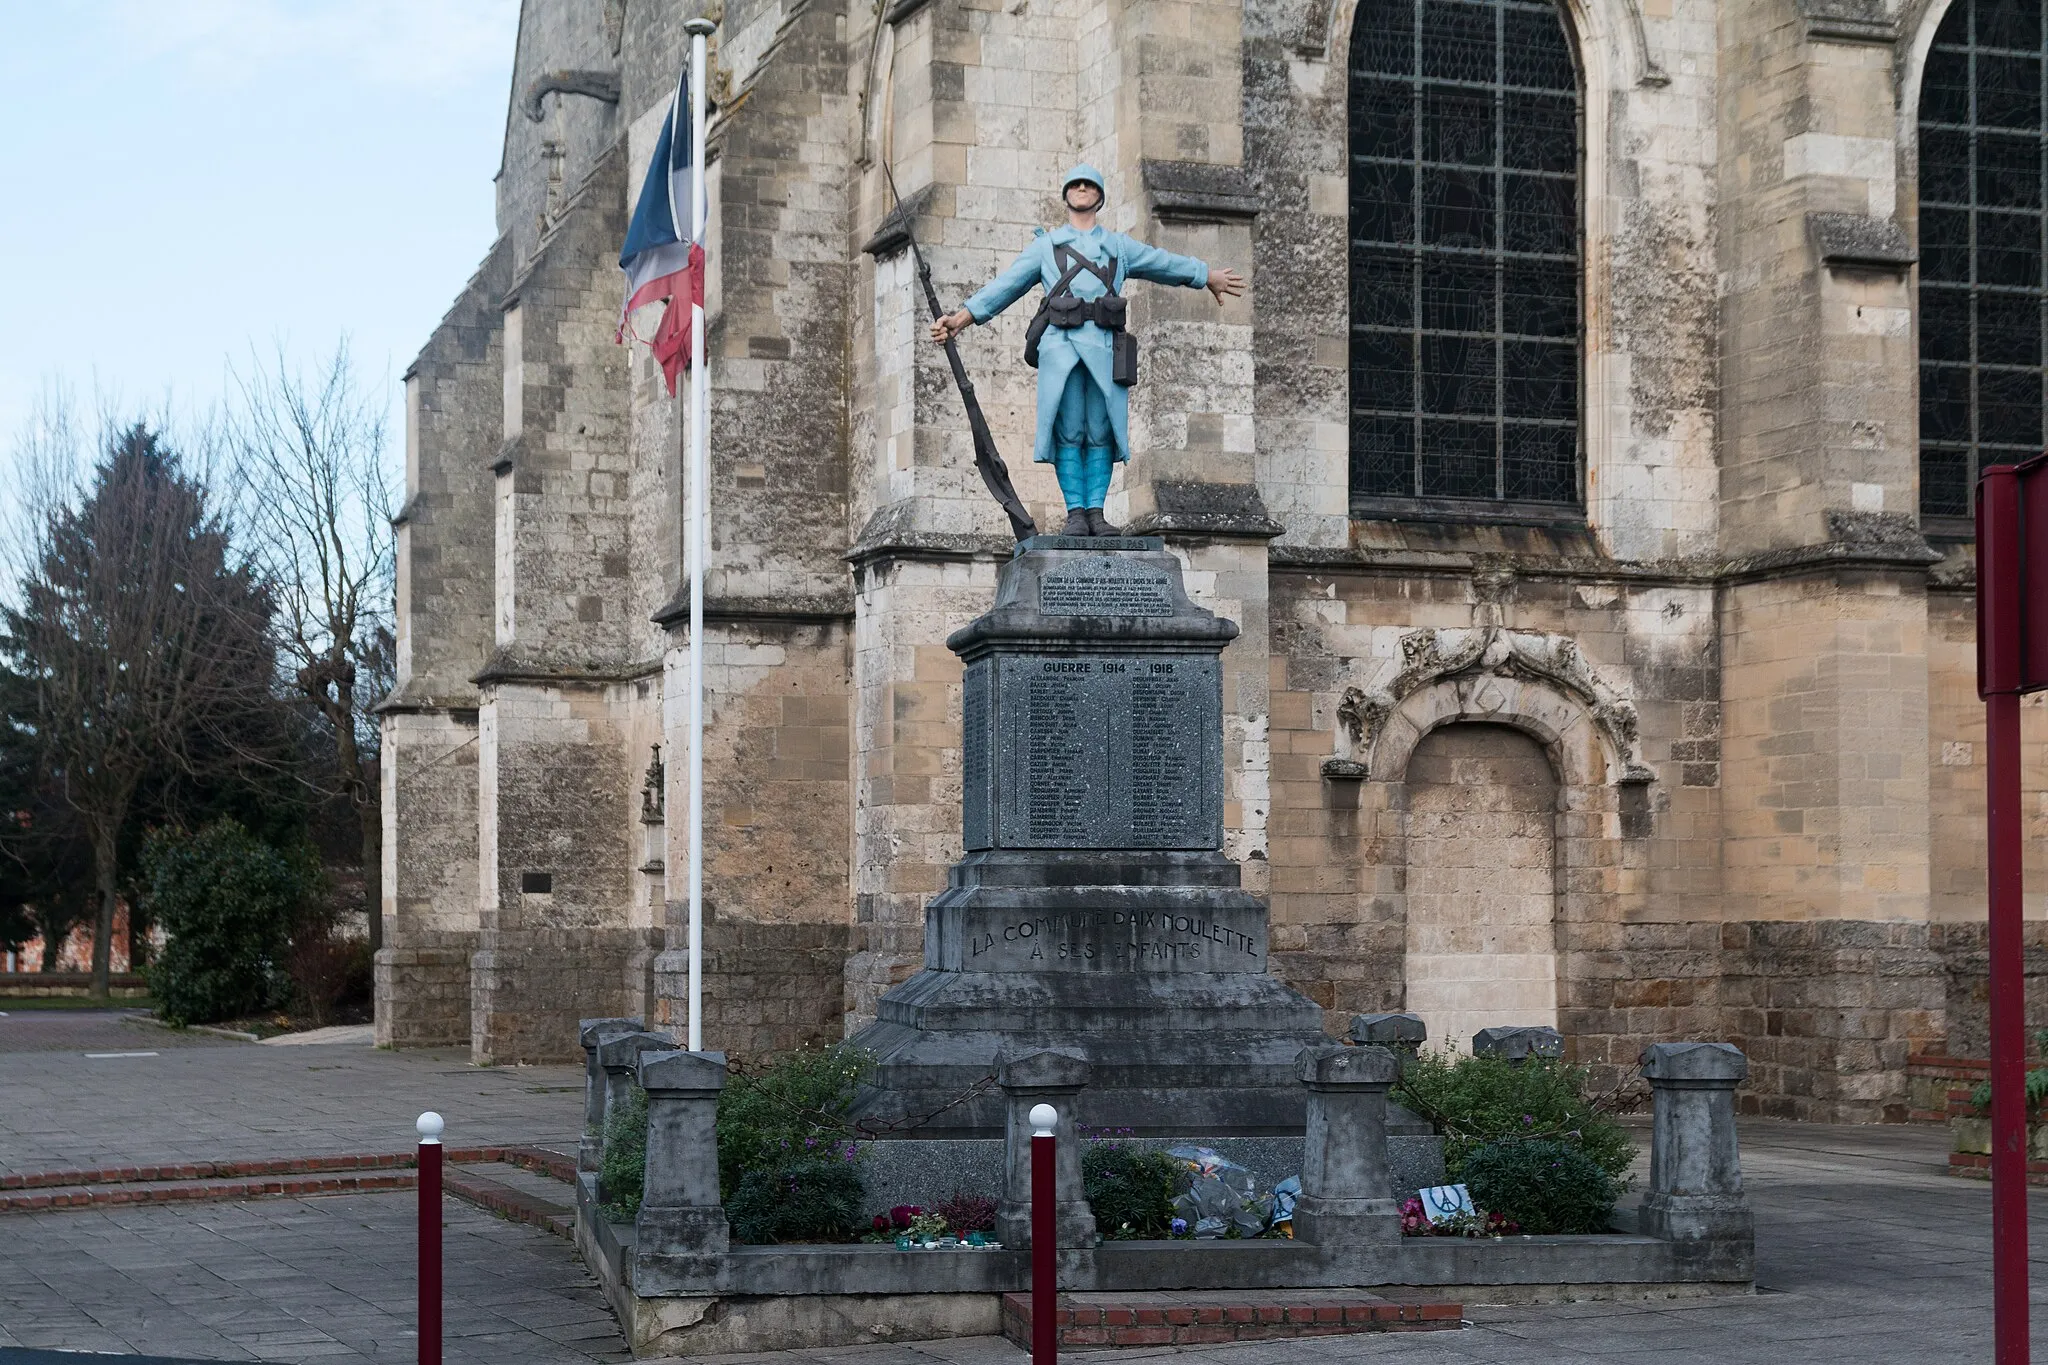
x=150, y=1021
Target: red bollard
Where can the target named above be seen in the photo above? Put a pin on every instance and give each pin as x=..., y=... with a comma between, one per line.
x=2012, y=659
x=1045, y=1269
x=430, y=1126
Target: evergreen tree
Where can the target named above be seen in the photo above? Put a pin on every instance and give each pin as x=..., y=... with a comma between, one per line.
x=142, y=652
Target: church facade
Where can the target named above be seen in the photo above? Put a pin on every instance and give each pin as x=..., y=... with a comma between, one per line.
x=1587, y=466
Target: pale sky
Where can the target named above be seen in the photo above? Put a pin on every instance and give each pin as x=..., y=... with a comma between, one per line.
x=180, y=179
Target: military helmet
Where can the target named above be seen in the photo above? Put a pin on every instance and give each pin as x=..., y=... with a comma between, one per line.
x=1084, y=174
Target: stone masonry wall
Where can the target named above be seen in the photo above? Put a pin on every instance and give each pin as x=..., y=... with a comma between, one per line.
x=1750, y=679
x=777, y=810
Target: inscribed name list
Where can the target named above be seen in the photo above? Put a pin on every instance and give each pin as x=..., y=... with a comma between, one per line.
x=1110, y=752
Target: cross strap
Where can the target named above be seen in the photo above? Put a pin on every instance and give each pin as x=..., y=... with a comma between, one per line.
x=1072, y=263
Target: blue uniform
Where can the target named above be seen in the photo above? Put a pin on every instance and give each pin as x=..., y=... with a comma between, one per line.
x=1083, y=413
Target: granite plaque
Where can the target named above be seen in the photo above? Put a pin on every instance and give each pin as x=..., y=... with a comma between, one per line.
x=1107, y=751
x=1106, y=585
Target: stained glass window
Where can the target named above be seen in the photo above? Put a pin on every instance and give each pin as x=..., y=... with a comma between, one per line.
x=1464, y=255
x=1982, y=153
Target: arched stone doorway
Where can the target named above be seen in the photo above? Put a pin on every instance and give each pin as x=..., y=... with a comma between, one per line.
x=1481, y=881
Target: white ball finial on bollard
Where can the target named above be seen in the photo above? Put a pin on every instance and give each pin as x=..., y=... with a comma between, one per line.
x=430, y=1125
x=1044, y=1118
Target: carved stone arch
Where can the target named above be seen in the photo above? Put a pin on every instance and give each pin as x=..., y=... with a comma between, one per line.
x=1602, y=809
x=1564, y=726
x=1535, y=682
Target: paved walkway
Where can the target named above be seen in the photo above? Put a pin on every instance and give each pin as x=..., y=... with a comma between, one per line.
x=1867, y=1252
x=75, y=1099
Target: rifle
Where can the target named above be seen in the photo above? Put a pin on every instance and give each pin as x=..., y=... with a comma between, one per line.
x=995, y=475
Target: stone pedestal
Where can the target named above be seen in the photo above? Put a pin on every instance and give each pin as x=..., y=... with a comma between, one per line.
x=618, y=1057
x=592, y=1034
x=1347, y=1197
x=680, y=1213
x=1036, y=1078
x=1094, y=911
x=1695, y=1191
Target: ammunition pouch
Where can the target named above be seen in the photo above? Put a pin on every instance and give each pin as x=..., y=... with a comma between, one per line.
x=1062, y=308
x=1067, y=311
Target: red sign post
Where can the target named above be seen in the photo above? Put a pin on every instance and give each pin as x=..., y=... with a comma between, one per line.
x=2012, y=659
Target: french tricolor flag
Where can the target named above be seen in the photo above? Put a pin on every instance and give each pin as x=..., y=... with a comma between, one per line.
x=660, y=262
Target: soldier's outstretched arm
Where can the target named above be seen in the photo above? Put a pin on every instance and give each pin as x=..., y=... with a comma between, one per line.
x=1142, y=262
x=1004, y=290
x=1164, y=267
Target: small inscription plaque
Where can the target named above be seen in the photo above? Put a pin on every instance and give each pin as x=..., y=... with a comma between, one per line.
x=1103, y=585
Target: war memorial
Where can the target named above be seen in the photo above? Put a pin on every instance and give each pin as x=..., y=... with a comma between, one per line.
x=1093, y=949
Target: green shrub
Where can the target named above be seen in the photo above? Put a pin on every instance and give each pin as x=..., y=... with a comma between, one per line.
x=228, y=903
x=796, y=1107
x=1130, y=1189
x=1543, y=1184
x=806, y=1199
x=2036, y=1085
x=622, y=1175
x=1474, y=1101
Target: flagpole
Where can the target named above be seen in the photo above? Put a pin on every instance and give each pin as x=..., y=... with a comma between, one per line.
x=699, y=525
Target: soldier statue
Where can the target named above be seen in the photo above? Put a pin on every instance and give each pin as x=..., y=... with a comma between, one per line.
x=1078, y=342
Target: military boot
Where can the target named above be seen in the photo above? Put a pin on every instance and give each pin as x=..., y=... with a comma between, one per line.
x=1097, y=526
x=1077, y=523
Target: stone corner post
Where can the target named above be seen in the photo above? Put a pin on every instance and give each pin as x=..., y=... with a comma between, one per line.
x=1396, y=1032
x=1347, y=1195
x=618, y=1057
x=680, y=1213
x=1027, y=1079
x=591, y=1033
x=1695, y=1189
x=1519, y=1044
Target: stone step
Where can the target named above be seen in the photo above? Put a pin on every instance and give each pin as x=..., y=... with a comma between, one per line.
x=43, y=1198
x=515, y=1192
x=1208, y=1316
x=527, y=1184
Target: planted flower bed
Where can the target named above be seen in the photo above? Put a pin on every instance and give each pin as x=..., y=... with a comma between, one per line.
x=685, y=1278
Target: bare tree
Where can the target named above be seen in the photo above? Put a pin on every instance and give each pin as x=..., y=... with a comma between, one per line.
x=141, y=645
x=312, y=482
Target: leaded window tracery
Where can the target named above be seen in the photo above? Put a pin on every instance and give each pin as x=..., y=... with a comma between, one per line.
x=1465, y=256
x=1983, y=161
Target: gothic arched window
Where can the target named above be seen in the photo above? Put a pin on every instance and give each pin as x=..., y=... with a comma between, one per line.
x=1464, y=256
x=1981, y=248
